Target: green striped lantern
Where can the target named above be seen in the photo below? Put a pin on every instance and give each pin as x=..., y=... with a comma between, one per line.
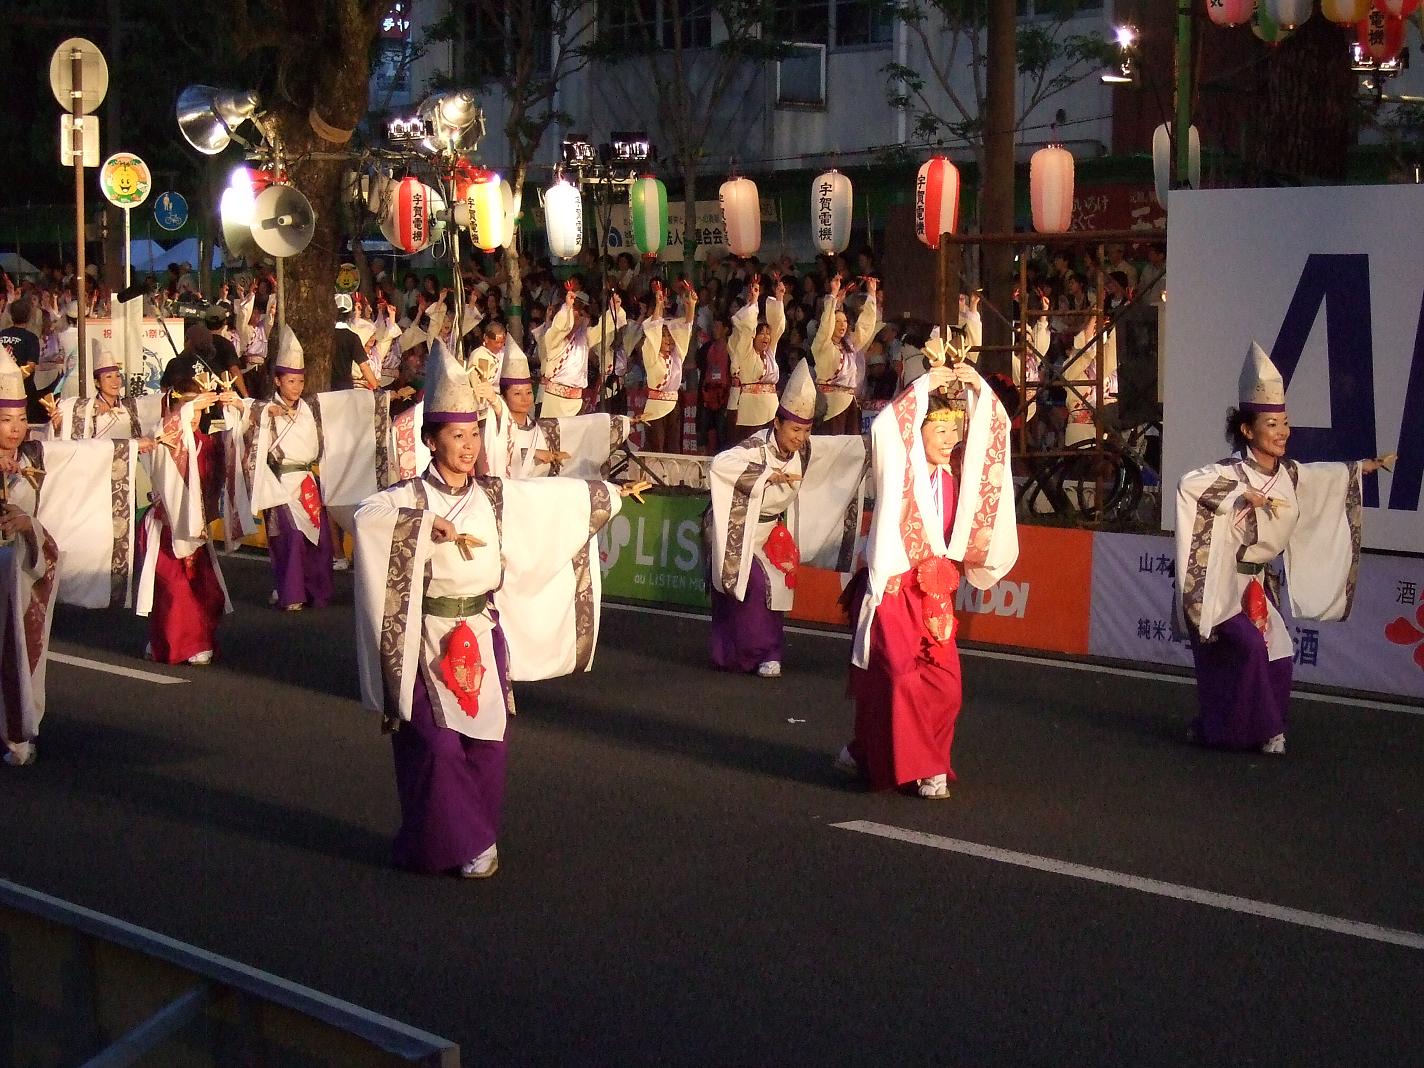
x=647, y=204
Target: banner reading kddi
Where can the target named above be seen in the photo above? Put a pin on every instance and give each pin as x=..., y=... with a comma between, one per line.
x=653, y=551
x=1330, y=281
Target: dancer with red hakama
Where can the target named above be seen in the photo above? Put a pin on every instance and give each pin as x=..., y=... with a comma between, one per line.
x=929, y=525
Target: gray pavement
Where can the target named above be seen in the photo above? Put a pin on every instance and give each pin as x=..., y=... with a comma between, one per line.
x=672, y=887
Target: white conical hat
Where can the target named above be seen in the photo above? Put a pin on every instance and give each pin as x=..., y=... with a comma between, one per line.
x=12, y=381
x=449, y=397
x=798, y=399
x=1262, y=388
x=290, y=357
x=515, y=370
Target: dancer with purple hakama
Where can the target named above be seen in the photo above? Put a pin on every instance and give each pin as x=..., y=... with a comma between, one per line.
x=466, y=583
x=1234, y=518
x=762, y=491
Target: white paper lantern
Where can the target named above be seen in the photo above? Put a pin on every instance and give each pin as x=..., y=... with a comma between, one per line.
x=563, y=219
x=936, y=200
x=1162, y=150
x=831, y=201
x=1290, y=13
x=741, y=216
x=1050, y=181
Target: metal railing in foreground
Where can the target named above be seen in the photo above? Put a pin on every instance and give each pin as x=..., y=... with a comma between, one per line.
x=82, y=988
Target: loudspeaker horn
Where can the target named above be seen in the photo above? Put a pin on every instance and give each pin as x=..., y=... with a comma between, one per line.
x=282, y=221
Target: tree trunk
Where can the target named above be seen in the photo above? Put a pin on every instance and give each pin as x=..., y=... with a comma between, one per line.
x=996, y=185
x=512, y=267
x=1305, y=126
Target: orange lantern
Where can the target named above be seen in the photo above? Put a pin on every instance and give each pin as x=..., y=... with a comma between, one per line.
x=1345, y=12
x=1050, y=183
x=936, y=201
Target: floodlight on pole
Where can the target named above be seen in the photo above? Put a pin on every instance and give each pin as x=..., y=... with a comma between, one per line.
x=208, y=117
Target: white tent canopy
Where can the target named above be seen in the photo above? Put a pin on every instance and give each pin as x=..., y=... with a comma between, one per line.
x=16, y=266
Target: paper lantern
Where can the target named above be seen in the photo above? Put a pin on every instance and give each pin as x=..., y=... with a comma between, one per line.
x=1265, y=26
x=511, y=212
x=1288, y=14
x=1344, y=12
x=1400, y=9
x=647, y=204
x=1229, y=12
x=563, y=219
x=831, y=200
x=936, y=200
x=1381, y=36
x=1050, y=184
x=410, y=223
x=741, y=215
x=483, y=210
x=1162, y=149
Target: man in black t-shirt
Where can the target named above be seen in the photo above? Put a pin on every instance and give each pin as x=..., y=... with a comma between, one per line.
x=24, y=347
x=349, y=352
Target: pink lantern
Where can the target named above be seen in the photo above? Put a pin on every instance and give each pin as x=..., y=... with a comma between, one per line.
x=1400, y=9
x=410, y=225
x=741, y=216
x=1050, y=183
x=936, y=201
x=1230, y=12
x=1344, y=12
x=1381, y=36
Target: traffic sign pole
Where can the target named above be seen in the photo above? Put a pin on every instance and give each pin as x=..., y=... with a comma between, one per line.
x=128, y=253
x=76, y=105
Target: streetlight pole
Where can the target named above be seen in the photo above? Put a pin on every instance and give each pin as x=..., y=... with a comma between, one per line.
x=1182, y=125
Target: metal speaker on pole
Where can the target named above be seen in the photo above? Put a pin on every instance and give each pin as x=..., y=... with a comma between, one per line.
x=283, y=221
x=208, y=116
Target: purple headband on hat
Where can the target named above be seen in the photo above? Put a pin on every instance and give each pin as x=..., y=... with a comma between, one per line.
x=7, y=402
x=289, y=370
x=454, y=417
x=1261, y=409
x=505, y=383
x=791, y=417
x=107, y=367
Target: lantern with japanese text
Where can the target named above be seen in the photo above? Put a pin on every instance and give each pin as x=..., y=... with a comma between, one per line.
x=1050, y=184
x=1400, y=9
x=1381, y=36
x=410, y=223
x=936, y=200
x=1344, y=12
x=483, y=213
x=1229, y=12
x=563, y=219
x=1288, y=14
x=741, y=215
x=831, y=200
x=647, y=204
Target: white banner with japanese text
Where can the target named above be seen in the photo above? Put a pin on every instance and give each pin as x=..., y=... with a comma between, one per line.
x=1380, y=648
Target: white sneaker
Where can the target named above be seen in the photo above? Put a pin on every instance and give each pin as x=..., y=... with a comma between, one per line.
x=483, y=866
x=20, y=754
x=770, y=670
x=341, y=564
x=845, y=764
x=1276, y=746
x=202, y=659
x=936, y=787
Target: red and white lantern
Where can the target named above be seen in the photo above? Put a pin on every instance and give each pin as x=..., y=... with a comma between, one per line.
x=1230, y=12
x=1381, y=36
x=936, y=201
x=410, y=224
x=1050, y=184
x=1400, y=9
x=741, y=216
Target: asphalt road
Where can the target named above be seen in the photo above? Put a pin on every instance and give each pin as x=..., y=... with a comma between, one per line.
x=673, y=888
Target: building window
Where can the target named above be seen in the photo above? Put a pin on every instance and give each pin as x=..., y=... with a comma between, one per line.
x=1057, y=9
x=491, y=35
x=836, y=23
x=637, y=24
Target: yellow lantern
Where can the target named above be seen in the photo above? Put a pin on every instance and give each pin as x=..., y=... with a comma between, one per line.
x=1345, y=12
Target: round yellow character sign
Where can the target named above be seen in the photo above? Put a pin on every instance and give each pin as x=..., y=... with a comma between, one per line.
x=125, y=180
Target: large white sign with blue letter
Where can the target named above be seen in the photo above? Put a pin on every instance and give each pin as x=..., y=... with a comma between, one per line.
x=1330, y=281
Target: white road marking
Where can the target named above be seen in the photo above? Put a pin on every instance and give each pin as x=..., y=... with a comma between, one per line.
x=1054, y=662
x=115, y=669
x=1245, y=905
